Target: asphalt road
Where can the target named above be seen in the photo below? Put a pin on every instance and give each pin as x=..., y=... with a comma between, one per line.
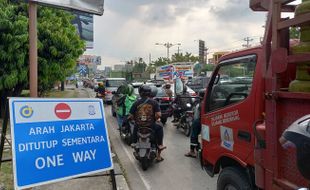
x=175, y=172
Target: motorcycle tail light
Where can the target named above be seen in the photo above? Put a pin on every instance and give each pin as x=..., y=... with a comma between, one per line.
x=108, y=92
x=166, y=99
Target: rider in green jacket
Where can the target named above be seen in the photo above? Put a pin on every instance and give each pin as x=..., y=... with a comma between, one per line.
x=124, y=104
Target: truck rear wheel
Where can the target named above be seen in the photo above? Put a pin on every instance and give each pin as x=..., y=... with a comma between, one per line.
x=233, y=178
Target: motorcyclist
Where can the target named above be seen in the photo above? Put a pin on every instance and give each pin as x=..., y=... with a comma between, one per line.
x=168, y=91
x=100, y=90
x=124, y=103
x=181, y=102
x=196, y=128
x=146, y=113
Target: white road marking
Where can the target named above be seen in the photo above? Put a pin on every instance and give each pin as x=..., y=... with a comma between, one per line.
x=131, y=158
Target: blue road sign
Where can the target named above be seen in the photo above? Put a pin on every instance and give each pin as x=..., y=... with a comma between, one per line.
x=57, y=139
x=83, y=69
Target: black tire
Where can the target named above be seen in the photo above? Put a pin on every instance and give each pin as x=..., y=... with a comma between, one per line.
x=232, y=178
x=163, y=120
x=113, y=112
x=128, y=140
x=144, y=163
x=188, y=129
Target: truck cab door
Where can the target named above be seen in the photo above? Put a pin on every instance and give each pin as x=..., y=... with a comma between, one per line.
x=229, y=111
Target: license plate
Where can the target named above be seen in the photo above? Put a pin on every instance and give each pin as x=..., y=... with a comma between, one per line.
x=144, y=145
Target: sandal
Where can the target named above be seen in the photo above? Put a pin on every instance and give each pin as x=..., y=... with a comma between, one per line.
x=162, y=148
x=159, y=160
x=190, y=155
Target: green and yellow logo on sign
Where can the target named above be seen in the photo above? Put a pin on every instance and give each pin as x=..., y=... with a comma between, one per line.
x=26, y=111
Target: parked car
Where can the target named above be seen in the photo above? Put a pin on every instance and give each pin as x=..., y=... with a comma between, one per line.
x=111, y=85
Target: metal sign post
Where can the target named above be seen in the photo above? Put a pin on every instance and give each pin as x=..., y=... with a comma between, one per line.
x=3, y=132
x=33, y=52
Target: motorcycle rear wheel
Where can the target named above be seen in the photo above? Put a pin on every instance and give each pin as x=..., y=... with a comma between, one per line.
x=187, y=129
x=144, y=163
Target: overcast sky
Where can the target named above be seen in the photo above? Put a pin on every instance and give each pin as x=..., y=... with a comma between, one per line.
x=130, y=28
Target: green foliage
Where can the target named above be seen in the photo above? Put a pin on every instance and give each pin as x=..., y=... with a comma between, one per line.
x=161, y=61
x=13, y=45
x=139, y=66
x=188, y=57
x=294, y=33
x=208, y=67
x=59, y=46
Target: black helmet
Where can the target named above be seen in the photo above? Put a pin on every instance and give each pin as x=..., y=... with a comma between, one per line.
x=153, y=91
x=145, y=90
x=201, y=93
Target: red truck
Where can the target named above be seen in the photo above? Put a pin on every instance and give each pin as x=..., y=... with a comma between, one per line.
x=267, y=89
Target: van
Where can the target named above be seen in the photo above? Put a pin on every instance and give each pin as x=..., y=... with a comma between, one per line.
x=111, y=85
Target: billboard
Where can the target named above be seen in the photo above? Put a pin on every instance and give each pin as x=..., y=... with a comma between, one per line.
x=90, y=60
x=88, y=6
x=84, y=24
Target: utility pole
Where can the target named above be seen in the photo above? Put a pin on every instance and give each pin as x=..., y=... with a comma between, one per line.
x=168, y=46
x=33, y=50
x=248, y=40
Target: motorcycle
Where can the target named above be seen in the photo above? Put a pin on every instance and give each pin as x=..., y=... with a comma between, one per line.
x=126, y=132
x=99, y=95
x=145, y=149
x=186, y=119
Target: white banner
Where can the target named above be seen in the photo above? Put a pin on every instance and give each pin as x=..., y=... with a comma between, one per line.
x=88, y=6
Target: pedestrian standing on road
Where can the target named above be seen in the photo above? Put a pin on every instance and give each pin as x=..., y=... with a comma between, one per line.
x=196, y=128
x=168, y=91
x=124, y=104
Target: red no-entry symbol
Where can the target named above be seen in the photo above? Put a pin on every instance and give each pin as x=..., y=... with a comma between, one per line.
x=62, y=111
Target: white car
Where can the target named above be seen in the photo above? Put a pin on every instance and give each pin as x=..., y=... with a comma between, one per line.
x=111, y=85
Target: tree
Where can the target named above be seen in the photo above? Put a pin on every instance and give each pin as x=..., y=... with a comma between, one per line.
x=161, y=61
x=59, y=46
x=188, y=57
x=294, y=33
x=139, y=66
x=208, y=67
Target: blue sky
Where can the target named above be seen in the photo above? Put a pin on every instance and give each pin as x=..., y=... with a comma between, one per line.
x=130, y=28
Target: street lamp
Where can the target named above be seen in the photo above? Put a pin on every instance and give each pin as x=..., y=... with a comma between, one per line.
x=168, y=46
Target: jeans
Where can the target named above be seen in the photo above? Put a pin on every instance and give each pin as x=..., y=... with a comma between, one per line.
x=196, y=129
x=120, y=119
